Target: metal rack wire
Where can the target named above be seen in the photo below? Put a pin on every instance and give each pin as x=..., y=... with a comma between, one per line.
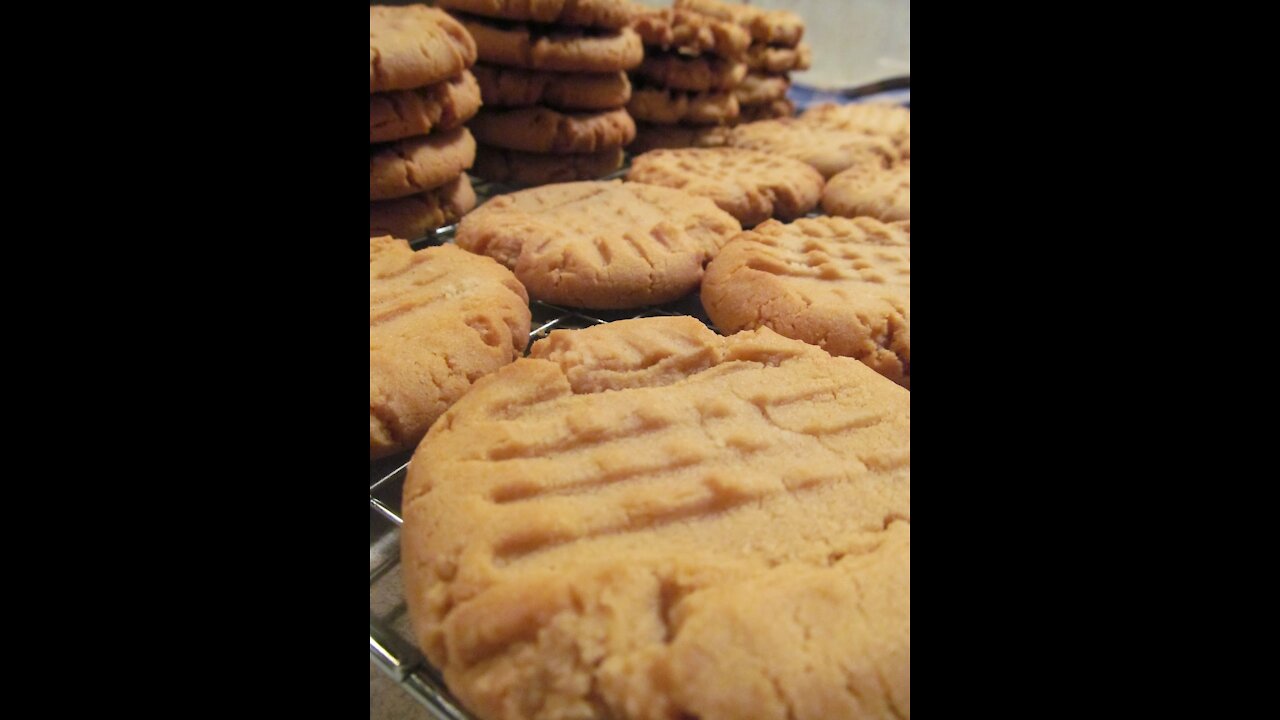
x=391, y=644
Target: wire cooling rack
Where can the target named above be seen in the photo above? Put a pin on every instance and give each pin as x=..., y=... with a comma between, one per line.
x=391, y=643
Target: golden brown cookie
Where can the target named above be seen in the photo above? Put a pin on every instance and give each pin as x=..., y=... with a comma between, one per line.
x=870, y=189
x=550, y=47
x=513, y=87
x=766, y=58
x=758, y=88
x=513, y=167
x=749, y=185
x=543, y=130
x=782, y=108
x=841, y=284
x=439, y=319
x=600, y=244
x=414, y=45
x=414, y=216
x=830, y=151
x=661, y=106
x=654, y=137
x=587, y=13
x=646, y=520
x=405, y=113
x=884, y=119
x=775, y=27
x=700, y=73
x=668, y=29
x=417, y=164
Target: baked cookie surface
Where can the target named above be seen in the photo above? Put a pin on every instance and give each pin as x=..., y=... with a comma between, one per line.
x=669, y=28
x=749, y=185
x=843, y=285
x=553, y=47
x=870, y=189
x=414, y=45
x=759, y=88
x=514, y=87
x=439, y=319
x=601, y=245
x=679, y=72
x=405, y=113
x=414, y=216
x=662, y=106
x=543, y=130
x=522, y=168
x=648, y=520
x=885, y=119
x=417, y=164
x=828, y=150
x=775, y=27
x=588, y=13
x=766, y=58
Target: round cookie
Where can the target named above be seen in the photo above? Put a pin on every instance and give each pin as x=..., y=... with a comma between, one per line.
x=414, y=216
x=513, y=87
x=759, y=88
x=555, y=48
x=612, y=14
x=405, y=113
x=782, y=108
x=667, y=28
x=543, y=130
x=841, y=284
x=702, y=73
x=646, y=520
x=600, y=245
x=655, y=137
x=830, y=151
x=414, y=45
x=870, y=189
x=661, y=106
x=884, y=119
x=766, y=58
x=749, y=185
x=520, y=168
x=775, y=27
x=417, y=164
x=439, y=319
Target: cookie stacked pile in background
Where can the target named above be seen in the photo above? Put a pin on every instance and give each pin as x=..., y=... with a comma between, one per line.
x=684, y=89
x=420, y=94
x=552, y=76
x=775, y=51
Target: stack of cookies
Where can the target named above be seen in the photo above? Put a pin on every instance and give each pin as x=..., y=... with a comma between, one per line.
x=420, y=94
x=775, y=51
x=552, y=75
x=684, y=94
